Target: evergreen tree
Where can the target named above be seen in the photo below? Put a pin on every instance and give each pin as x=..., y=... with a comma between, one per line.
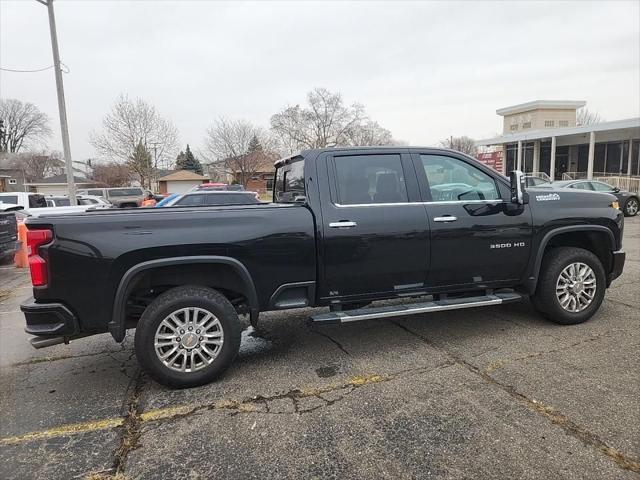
x=187, y=161
x=140, y=163
x=254, y=145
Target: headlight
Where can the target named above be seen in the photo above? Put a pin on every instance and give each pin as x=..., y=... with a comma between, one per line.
x=615, y=205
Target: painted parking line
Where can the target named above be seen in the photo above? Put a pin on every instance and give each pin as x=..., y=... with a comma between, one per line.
x=246, y=406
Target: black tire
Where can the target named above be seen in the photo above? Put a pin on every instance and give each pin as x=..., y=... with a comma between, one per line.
x=171, y=301
x=545, y=299
x=631, y=207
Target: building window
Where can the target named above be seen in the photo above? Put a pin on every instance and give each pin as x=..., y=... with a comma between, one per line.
x=514, y=127
x=526, y=125
x=13, y=181
x=563, y=123
x=549, y=123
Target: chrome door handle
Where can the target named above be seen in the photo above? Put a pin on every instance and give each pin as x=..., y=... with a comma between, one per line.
x=447, y=218
x=343, y=224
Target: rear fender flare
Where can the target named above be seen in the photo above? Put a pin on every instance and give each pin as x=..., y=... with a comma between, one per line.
x=117, y=325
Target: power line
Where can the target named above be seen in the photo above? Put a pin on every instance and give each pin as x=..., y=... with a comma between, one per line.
x=63, y=67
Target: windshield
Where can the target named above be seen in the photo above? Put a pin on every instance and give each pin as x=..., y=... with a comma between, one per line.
x=289, y=184
x=125, y=192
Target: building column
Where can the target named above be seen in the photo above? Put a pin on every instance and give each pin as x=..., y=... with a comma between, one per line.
x=536, y=156
x=519, y=156
x=592, y=151
x=552, y=167
x=504, y=159
x=630, y=157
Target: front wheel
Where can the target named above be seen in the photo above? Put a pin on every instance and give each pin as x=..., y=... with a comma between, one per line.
x=571, y=285
x=631, y=207
x=187, y=336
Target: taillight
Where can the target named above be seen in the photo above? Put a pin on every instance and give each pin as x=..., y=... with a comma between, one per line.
x=37, y=264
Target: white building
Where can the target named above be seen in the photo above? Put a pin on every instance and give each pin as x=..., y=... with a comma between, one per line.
x=542, y=136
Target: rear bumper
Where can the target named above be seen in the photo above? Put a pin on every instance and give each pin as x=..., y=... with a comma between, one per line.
x=49, y=319
x=618, y=265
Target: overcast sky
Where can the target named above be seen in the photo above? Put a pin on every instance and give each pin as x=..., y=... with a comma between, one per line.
x=424, y=70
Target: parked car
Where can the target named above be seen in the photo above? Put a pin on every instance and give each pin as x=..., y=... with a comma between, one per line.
x=121, y=197
x=208, y=198
x=629, y=201
x=532, y=181
x=347, y=226
x=83, y=200
x=8, y=232
x=26, y=200
x=167, y=199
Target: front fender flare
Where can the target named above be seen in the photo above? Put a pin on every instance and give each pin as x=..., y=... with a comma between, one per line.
x=117, y=326
x=535, y=269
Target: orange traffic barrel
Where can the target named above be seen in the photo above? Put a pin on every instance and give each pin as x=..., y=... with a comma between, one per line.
x=22, y=256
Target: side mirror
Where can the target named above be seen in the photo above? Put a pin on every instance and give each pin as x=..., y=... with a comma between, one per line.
x=518, y=190
x=616, y=189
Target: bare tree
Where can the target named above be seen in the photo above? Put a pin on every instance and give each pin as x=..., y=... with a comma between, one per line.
x=369, y=133
x=23, y=124
x=462, y=144
x=131, y=122
x=326, y=121
x=584, y=116
x=39, y=165
x=113, y=174
x=238, y=148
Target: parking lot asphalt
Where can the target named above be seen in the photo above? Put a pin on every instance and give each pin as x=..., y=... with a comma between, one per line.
x=494, y=392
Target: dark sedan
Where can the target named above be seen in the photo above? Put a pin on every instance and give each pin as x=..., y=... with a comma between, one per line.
x=629, y=201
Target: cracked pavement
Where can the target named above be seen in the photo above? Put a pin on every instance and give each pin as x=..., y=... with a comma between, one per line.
x=494, y=392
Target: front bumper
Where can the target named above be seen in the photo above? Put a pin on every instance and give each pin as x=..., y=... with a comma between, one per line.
x=49, y=319
x=618, y=265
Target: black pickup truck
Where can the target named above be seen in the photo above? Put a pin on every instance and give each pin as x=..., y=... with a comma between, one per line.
x=346, y=227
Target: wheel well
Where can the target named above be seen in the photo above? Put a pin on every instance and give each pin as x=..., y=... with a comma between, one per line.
x=598, y=243
x=152, y=282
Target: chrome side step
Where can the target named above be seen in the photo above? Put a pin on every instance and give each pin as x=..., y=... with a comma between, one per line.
x=415, y=308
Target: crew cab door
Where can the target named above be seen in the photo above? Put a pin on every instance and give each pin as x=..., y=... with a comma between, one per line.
x=375, y=230
x=478, y=239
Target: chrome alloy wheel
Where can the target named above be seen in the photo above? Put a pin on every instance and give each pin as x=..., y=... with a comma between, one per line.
x=188, y=339
x=576, y=287
x=632, y=207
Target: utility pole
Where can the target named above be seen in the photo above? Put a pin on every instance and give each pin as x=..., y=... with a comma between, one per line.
x=64, y=128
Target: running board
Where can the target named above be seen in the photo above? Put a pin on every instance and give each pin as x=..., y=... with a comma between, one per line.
x=415, y=308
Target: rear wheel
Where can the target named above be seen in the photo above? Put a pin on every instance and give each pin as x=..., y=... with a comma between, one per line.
x=187, y=336
x=631, y=207
x=571, y=285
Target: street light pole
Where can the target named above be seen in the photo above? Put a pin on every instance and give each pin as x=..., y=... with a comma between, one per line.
x=61, y=103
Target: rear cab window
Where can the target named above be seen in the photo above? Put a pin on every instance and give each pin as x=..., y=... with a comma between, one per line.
x=289, y=183
x=37, y=201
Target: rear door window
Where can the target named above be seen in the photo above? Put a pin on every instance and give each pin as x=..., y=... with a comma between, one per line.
x=581, y=186
x=190, y=200
x=9, y=199
x=370, y=179
x=98, y=193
